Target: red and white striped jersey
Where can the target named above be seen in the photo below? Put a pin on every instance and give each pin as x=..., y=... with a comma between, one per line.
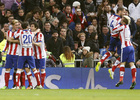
x=124, y=34
x=13, y=48
x=114, y=20
x=25, y=37
x=39, y=51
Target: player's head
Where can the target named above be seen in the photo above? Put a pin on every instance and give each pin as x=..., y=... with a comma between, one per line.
x=14, y=24
x=34, y=26
x=25, y=25
x=125, y=20
x=121, y=11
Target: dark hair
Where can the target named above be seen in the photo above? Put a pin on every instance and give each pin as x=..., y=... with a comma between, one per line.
x=47, y=10
x=67, y=5
x=77, y=23
x=11, y=16
x=9, y=10
x=21, y=9
x=56, y=6
x=55, y=31
x=36, y=11
x=24, y=25
x=93, y=34
x=1, y=4
x=35, y=24
x=120, y=9
x=47, y=22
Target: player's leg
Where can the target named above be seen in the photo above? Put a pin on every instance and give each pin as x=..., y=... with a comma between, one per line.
x=131, y=61
x=22, y=79
x=8, y=67
x=31, y=62
x=15, y=61
x=21, y=61
x=122, y=70
x=40, y=64
x=110, y=52
x=29, y=77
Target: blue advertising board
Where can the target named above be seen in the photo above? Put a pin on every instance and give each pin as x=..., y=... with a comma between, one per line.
x=79, y=78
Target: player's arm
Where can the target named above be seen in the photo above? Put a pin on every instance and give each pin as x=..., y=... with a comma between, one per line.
x=118, y=28
x=37, y=43
x=12, y=39
x=5, y=48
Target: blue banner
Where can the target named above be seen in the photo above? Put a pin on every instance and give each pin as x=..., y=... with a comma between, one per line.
x=79, y=78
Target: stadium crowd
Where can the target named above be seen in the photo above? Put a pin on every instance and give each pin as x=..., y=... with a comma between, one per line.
x=82, y=25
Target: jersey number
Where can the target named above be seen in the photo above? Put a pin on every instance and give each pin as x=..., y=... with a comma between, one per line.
x=27, y=39
x=111, y=25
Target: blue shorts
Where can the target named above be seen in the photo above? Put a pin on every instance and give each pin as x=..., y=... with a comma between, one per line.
x=128, y=54
x=115, y=43
x=23, y=60
x=11, y=61
x=40, y=63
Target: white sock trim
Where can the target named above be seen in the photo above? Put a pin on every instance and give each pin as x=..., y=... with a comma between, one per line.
x=122, y=66
x=18, y=72
x=7, y=71
x=35, y=72
x=43, y=72
x=133, y=67
x=29, y=73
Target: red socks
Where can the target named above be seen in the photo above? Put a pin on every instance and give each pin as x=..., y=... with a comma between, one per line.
x=133, y=72
x=122, y=70
x=14, y=77
x=18, y=74
x=117, y=62
x=29, y=76
x=106, y=55
x=37, y=76
x=43, y=75
x=7, y=76
x=22, y=78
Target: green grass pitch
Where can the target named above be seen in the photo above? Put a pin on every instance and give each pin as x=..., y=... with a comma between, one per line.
x=48, y=94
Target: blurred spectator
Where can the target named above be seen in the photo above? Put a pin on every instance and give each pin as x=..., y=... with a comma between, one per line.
x=50, y=6
x=119, y=4
x=2, y=12
x=96, y=25
x=76, y=31
x=78, y=17
x=10, y=19
x=102, y=13
x=87, y=57
x=4, y=18
x=16, y=6
x=113, y=5
x=75, y=2
x=93, y=43
x=3, y=31
x=59, y=14
x=62, y=5
x=1, y=36
x=104, y=37
x=69, y=31
x=134, y=9
x=77, y=51
x=54, y=24
x=67, y=57
x=8, y=3
x=69, y=15
x=47, y=16
x=67, y=40
x=75, y=5
x=47, y=31
x=36, y=18
x=55, y=45
x=82, y=40
x=90, y=29
x=89, y=4
x=21, y=15
x=133, y=27
x=31, y=4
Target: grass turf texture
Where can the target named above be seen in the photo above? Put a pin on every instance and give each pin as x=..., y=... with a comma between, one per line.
x=69, y=94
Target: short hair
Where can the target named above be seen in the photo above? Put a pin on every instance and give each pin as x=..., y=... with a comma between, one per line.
x=56, y=6
x=63, y=28
x=47, y=22
x=24, y=25
x=11, y=16
x=55, y=31
x=14, y=22
x=36, y=11
x=21, y=9
x=120, y=9
x=47, y=10
x=78, y=23
x=35, y=24
x=9, y=11
x=67, y=5
x=79, y=35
